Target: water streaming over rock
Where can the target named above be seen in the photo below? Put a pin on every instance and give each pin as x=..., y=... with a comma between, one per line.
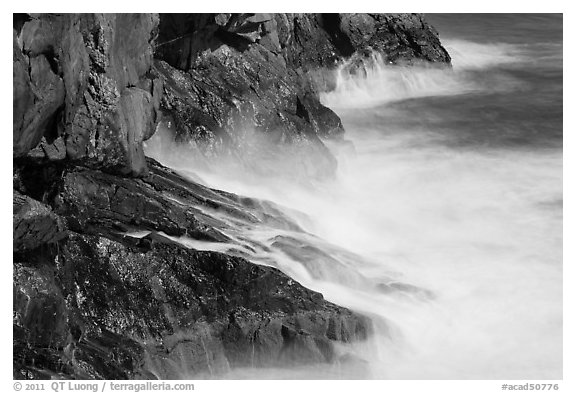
x=444, y=222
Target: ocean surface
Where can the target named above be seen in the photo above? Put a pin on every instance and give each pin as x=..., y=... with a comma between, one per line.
x=444, y=221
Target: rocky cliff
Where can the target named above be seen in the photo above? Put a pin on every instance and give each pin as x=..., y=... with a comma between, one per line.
x=247, y=86
x=101, y=287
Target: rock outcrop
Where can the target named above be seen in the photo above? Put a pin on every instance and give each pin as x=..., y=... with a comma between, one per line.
x=247, y=85
x=87, y=87
x=34, y=223
x=119, y=309
x=102, y=301
x=107, y=280
x=82, y=82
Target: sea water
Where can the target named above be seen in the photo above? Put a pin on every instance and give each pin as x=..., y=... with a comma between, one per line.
x=444, y=220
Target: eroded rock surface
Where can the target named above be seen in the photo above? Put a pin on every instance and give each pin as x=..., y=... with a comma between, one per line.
x=247, y=86
x=34, y=223
x=83, y=80
x=119, y=305
x=108, y=282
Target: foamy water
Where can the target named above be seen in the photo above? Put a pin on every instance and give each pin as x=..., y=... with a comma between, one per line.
x=471, y=231
x=387, y=83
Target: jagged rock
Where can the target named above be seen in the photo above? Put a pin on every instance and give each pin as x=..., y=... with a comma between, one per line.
x=90, y=79
x=306, y=42
x=319, y=40
x=231, y=106
x=248, y=26
x=239, y=99
x=95, y=200
x=38, y=94
x=157, y=305
x=85, y=80
x=241, y=72
x=148, y=307
x=34, y=223
x=92, y=299
x=400, y=38
x=54, y=151
x=240, y=84
x=40, y=318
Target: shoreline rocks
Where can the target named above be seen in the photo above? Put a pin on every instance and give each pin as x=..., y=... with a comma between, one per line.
x=101, y=289
x=246, y=86
x=94, y=300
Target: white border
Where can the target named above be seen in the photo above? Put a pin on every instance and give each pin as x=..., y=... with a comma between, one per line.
x=431, y=6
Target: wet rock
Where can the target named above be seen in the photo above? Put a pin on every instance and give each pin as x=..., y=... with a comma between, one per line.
x=122, y=306
x=248, y=107
x=250, y=91
x=38, y=94
x=400, y=38
x=246, y=86
x=40, y=331
x=238, y=98
x=93, y=200
x=54, y=151
x=310, y=41
x=88, y=87
x=39, y=306
x=101, y=287
x=34, y=223
x=132, y=311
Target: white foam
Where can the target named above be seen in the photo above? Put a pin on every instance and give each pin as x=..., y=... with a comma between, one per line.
x=380, y=82
x=481, y=229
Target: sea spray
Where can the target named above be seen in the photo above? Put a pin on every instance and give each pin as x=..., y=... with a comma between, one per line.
x=374, y=81
x=444, y=227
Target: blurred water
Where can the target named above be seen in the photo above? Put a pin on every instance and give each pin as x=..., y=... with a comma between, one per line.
x=444, y=223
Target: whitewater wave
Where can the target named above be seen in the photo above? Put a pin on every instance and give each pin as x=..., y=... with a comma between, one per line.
x=455, y=254
x=473, y=55
x=380, y=82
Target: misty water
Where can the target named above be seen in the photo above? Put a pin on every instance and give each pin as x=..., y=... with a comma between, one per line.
x=444, y=220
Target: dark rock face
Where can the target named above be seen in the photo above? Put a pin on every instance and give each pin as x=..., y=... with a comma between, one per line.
x=401, y=38
x=248, y=84
x=34, y=223
x=242, y=85
x=38, y=94
x=40, y=316
x=120, y=307
x=229, y=94
x=82, y=82
x=312, y=41
x=101, y=287
x=230, y=108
